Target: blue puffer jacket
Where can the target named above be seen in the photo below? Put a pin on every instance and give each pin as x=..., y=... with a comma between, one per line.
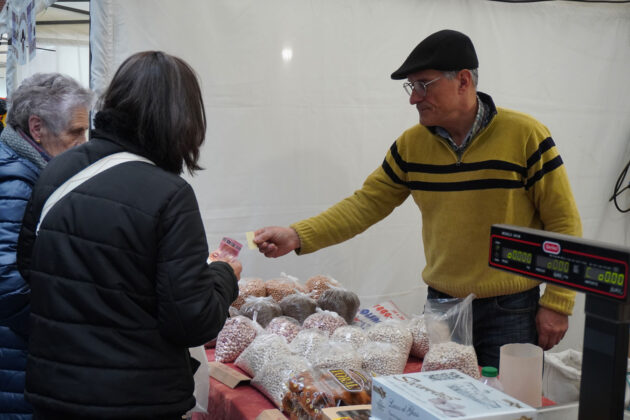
x=17, y=177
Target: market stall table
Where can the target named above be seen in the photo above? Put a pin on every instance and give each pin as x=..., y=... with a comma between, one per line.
x=244, y=402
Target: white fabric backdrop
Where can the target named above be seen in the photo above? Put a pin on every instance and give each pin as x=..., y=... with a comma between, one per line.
x=288, y=138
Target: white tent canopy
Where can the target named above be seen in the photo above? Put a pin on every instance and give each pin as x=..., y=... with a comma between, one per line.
x=301, y=109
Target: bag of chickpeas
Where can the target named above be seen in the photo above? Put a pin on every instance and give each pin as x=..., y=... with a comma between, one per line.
x=450, y=330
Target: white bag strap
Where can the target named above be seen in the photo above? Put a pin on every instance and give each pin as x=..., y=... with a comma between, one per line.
x=84, y=175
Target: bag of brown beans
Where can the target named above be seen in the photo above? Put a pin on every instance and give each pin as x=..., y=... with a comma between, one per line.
x=261, y=309
x=298, y=305
x=344, y=302
x=249, y=286
x=316, y=285
x=282, y=286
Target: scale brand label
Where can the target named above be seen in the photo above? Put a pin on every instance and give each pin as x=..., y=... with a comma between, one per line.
x=551, y=247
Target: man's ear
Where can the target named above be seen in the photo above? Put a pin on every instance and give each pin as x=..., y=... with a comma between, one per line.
x=36, y=128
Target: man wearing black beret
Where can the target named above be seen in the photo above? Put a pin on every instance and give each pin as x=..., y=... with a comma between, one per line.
x=467, y=165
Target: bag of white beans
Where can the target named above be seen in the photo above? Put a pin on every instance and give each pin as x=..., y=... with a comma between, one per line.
x=272, y=380
x=381, y=358
x=264, y=348
x=418, y=329
x=392, y=331
x=352, y=334
x=309, y=341
x=336, y=355
x=450, y=330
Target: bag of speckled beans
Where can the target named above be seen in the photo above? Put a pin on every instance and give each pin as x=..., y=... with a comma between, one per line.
x=450, y=330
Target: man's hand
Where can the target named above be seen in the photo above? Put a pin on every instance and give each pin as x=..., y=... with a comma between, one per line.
x=551, y=326
x=276, y=241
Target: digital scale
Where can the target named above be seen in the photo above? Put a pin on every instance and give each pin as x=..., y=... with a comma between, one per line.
x=601, y=271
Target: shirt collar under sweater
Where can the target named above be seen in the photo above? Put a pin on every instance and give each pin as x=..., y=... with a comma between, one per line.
x=24, y=146
x=485, y=111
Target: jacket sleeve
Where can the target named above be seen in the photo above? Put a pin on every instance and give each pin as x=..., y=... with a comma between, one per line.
x=14, y=291
x=193, y=297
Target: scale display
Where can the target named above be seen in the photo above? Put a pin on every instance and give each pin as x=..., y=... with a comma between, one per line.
x=580, y=264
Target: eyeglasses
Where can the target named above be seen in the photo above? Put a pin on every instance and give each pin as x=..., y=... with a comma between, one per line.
x=418, y=86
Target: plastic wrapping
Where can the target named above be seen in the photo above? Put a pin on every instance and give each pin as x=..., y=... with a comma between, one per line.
x=234, y=337
x=298, y=305
x=316, y=285
x=383, y=358
x=327, y=321
x=316, y=389
x=261, y=309
x=418, y=328
x=345, y=302
x=284, y=326
x=249, y=286
x=449, y=325
x=264, y=348
x=394, y=332
x=272, y=380
x=351, y=334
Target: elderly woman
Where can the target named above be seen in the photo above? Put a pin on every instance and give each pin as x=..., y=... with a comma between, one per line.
x=127, y=289
x=48, y=114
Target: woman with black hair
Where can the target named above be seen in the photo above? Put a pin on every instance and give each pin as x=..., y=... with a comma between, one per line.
x=115, y=252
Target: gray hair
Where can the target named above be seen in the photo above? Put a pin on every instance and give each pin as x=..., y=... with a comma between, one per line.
x=52, y=97
x=474, y=73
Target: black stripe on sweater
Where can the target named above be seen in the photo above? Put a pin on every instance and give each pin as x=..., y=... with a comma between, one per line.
x=500, y=165
x=545, y=145
x=547, y=167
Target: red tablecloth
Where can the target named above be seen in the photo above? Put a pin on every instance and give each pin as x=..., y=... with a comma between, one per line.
x=245, y=402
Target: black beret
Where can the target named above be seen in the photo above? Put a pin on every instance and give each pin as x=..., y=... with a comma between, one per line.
x=445, y=50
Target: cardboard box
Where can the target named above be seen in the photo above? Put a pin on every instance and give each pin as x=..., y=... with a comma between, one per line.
x=226, y=375
x=348, y=412
x=441, y=395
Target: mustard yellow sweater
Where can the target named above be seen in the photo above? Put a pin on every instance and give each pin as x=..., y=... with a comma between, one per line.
x=510, y=173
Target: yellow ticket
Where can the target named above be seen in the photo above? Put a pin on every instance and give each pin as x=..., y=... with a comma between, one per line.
x=250, y=240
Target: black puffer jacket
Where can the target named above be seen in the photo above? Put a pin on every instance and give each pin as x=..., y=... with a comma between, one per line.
x=120, y=288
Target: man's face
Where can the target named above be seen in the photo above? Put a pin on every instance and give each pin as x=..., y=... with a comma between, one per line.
x=437, y=107
x=72, y=135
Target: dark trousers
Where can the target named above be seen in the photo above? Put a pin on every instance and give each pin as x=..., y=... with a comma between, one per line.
x=501, y=320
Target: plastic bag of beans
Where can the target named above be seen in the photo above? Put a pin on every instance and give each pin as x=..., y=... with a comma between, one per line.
x=284, y=326
x=309, y=341
x=383, y=358
x=352, y=334
x=316, y=285
x=272, y=380
x=234, y=337
x=249, y=286
x=261, y=309
x=282, y=286
x=392, y=331
x=264, y=348
x=298, y=305
x=327, y=321
x=344, y=302
x=449, y=326
x=418, y=329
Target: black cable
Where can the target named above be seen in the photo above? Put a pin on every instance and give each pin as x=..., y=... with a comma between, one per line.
x=619, y=189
